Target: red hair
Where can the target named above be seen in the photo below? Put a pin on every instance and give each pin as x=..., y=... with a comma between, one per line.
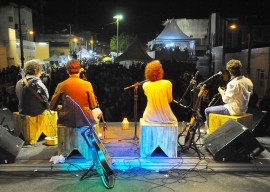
x=73, y=66
x=154, y=71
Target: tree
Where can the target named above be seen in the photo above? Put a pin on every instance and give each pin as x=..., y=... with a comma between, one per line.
x=123, y=42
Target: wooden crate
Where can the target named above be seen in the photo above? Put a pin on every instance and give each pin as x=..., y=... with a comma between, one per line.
x=32, y=127
x=158, y=135
x=70, y=139
x=216, y=120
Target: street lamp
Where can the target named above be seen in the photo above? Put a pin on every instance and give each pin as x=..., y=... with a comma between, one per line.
x=117, y=17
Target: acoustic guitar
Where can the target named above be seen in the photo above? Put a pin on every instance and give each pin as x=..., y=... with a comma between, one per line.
x=191, y=127
x=102, y=161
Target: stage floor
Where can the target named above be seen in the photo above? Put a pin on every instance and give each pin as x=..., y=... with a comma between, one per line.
x=123, y=147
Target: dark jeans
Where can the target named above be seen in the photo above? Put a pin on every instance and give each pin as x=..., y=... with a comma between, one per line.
x=219, y=109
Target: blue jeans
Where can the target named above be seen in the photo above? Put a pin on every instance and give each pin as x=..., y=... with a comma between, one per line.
x=219, y=109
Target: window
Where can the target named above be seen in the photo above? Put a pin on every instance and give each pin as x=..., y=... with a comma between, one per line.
x=261, y=77
x=10, y=19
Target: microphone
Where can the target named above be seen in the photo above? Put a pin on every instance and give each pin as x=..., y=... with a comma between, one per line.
x=136, y=84
x=210, y=78
x=181, y=105
x=214, y=99
x=196, y=74
x=193, y=80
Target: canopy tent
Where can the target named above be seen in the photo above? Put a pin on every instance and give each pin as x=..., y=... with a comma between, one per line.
x=171, y=34
x=83, y=53
x=173, y=44
x=134, y=52
x=107, y=59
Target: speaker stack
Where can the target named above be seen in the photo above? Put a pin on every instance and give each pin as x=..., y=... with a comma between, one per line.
x=233, y=142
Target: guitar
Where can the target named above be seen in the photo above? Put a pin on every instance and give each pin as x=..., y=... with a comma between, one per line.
x=83, y=76
x=102, y=118
x=191, y=127
x=100, y=156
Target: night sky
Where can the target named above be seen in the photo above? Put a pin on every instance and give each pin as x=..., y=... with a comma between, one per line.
x=142, y=18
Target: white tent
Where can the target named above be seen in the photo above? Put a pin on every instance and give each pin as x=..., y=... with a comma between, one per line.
x=173, y=35
x=83, y=53
x=173, y=44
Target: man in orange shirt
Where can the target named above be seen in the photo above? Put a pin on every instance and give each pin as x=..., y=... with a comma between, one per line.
x=81, y=92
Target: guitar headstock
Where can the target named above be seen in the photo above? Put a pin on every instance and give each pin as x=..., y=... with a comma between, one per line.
x=203, y=91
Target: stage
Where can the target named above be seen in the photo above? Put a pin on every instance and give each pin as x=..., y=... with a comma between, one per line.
x=123, y=147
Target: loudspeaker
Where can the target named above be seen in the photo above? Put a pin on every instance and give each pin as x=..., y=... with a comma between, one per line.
x=6, y=119
x=10, y=146
x=233, y=142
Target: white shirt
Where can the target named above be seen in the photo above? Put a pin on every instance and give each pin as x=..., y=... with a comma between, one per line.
x=237, y=94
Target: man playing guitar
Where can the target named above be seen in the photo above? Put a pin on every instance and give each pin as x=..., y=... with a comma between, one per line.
x=236, y=95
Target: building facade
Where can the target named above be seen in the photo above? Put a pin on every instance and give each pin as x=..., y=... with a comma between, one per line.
x=16, y=36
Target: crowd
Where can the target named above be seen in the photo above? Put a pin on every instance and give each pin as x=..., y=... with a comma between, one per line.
x=109, y=81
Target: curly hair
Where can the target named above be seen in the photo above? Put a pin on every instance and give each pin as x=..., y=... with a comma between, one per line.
x=234, y=67
x=32, y=67
x=154, y=71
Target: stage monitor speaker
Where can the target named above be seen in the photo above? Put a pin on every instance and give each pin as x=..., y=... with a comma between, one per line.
x=6, y=119
x=10, y=146
x=260, y=122
x=233, y=142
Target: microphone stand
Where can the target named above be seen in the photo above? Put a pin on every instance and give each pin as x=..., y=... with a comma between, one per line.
x=214, y=99
x=192, y=83
x=135, y=85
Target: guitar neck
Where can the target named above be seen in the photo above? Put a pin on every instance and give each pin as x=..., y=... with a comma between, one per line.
x=93, y=132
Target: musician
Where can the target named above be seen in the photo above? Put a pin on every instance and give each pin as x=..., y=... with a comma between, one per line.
x=236, y=95
x=81, y=92
x=29, y=103
x=159, y=94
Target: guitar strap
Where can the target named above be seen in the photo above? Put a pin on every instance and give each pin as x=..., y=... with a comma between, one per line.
x=34, y=92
